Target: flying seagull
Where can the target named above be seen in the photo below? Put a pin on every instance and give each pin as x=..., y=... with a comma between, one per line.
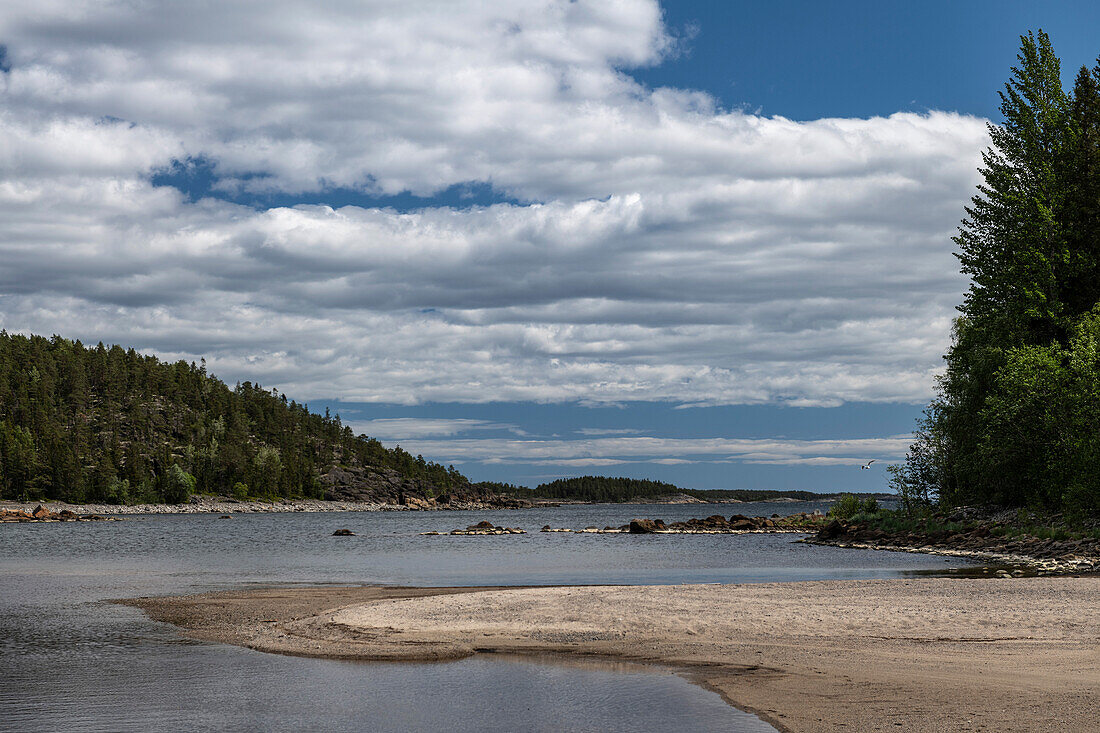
x=867, y=465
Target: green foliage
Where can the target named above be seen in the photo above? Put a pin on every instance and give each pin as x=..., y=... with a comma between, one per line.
x=109, y=424
x=1017, y=421
x=177, y=485
x=604, y=489
x=850, y=506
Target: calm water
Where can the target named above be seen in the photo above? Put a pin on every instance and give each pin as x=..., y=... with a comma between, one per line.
x=71, y=661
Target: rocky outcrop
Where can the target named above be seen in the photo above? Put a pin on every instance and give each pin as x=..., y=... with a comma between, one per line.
x=984, y=541
x=645, y=526
x=371, y=485
x=43, y=514
x=714, y=524
x=387, y=486
x=481, y=528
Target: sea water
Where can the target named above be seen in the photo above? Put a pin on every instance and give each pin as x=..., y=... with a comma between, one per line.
x=70, y=660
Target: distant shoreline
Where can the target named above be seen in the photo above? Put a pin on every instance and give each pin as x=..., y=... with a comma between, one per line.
x=223, y=505
x=929, y=654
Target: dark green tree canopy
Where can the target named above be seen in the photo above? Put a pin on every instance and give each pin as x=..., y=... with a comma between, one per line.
x=1017, y=415
x=108, y=424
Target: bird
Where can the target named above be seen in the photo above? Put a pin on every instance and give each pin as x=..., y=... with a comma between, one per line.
x=867, y=465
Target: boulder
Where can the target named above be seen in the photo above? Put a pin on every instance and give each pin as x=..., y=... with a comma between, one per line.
x=40, y=512
x=832, y=530
x=343, y=533
x=642, y=526
x=743, y=525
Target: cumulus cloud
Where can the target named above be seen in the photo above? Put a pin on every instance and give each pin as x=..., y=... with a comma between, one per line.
x=662, y=248
x=402, y=428
x=663, y=451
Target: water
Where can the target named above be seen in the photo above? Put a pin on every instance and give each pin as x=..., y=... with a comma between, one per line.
x=71, y=661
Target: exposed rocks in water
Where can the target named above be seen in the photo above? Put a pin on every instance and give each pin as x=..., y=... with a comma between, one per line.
x=43, y=514
x=714, y=524
x=978, y=541
x=481, y=528
x=343, y=533
x=644, y=526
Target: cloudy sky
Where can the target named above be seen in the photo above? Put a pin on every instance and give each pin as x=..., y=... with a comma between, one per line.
x=702, y=242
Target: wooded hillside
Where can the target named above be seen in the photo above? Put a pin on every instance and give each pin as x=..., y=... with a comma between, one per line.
x=107, y=424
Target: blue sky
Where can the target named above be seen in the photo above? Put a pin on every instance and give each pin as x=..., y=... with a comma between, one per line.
x=696, y=241
x=806, y=60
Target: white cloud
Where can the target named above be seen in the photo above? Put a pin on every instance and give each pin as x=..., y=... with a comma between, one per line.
x=666, y=451
x=403, y=428
x=680, y=252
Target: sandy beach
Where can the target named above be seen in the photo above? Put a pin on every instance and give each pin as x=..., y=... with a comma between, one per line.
x=934, y=654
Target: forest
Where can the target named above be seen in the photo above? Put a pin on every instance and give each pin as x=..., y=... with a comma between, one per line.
x=1016, y=420
x=605, y=489
x=107, y=424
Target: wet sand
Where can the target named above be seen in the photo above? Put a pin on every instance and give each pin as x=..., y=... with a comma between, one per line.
x=928, y=654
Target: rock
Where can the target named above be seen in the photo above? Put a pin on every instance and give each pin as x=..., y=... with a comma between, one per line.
x=343, y=533
x=642, y=526
x=481, y=525
x=226, y=516
x=743, y=524
x=832, y=530
x=739, y=518
x=40, y=512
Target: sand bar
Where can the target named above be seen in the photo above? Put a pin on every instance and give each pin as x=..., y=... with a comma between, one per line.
x=928, y=654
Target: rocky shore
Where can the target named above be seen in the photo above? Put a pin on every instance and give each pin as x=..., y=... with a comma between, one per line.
x=227, y=505
x=44, y=514
x=1025, y=554
x=737, y=524
x=714, y=524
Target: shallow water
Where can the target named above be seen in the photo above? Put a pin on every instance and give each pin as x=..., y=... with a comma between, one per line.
x=71, y=661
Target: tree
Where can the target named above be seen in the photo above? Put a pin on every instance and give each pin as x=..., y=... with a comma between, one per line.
x=1017, y=411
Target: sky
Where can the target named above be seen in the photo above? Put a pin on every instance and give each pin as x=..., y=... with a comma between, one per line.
x=702, y=242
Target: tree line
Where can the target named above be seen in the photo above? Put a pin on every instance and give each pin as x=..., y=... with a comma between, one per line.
x=1016, y=420
x=614, y=490
x=107, y=424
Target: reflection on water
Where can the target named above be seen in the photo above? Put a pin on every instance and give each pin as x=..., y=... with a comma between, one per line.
x=71, y=661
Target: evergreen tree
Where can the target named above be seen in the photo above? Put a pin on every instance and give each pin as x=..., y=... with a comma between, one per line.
x=1017, y=413
x=108, y=424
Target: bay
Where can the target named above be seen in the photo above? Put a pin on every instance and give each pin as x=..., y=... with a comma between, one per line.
x=70, y=660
